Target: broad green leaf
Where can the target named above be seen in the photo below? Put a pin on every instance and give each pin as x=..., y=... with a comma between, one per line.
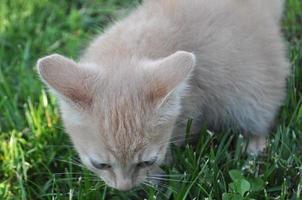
x=235, y=175
x=257, y=184
x=243, y=186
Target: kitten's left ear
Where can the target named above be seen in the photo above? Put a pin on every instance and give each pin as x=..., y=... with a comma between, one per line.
x=67, y=79
x=168, y=74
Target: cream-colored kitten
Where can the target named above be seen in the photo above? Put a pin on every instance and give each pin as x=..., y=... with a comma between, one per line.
x=219, y=62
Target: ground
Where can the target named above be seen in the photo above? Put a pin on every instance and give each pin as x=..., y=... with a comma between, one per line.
x=38, y=161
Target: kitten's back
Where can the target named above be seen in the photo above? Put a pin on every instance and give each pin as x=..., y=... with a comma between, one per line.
x=241, y=64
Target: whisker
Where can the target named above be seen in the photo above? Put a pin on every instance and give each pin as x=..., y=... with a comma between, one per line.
x=167, y=187
x=148, y=184
x=167, y=179
x=89, y=175
x=159, y=190
x=71, y=162
x=177, y=139
x=171, y=140
x=162, y=187
x=170, y=175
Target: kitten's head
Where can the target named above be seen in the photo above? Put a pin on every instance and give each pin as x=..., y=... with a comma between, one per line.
x=120, y=118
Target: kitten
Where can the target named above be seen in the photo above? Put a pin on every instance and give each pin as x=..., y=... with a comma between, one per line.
x=133, y=89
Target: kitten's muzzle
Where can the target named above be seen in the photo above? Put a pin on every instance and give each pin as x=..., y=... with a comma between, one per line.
x=124, y=184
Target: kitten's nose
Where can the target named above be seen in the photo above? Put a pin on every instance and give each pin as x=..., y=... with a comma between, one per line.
x=124, y=184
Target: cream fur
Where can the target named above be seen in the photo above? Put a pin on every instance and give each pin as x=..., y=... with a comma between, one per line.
x=136, y=91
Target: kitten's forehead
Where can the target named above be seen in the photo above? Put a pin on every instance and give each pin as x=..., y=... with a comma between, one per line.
x=123, y=129
x=123, y=114
x=126, y=154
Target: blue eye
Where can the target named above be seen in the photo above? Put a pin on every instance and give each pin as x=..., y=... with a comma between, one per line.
x=101, y=166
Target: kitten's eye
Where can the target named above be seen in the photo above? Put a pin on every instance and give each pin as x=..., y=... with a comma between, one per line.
x=145, y=164
x=101, y=166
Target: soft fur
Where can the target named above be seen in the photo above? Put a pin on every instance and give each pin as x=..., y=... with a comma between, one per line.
x=136, y=85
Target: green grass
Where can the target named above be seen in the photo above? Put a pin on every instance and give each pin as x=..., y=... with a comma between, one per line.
x=38, y=161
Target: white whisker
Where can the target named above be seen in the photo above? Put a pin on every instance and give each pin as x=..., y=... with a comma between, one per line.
x=167, y=179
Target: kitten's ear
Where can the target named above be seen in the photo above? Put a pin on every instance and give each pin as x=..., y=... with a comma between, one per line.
x=169, y=73
x=66, y=78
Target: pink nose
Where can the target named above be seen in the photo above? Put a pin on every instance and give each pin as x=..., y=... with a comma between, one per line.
x=124, y=184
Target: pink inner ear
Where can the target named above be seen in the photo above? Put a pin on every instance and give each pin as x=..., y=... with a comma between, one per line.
x=167, y=74
x=67, y=78
x=82, y=99
x=77, y=88
x=158, y=92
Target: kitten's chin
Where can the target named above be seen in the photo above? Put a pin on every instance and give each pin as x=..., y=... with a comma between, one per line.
x=124, y=187
x=152, y=179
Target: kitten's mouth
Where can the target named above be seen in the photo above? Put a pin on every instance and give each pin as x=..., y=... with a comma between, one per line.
x=134, y=187
x=122, y=187
x=124, y=190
